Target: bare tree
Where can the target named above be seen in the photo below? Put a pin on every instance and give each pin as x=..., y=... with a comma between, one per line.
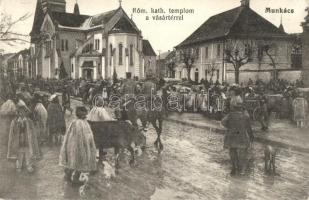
x=267, y=48
x=212, y=67
x=188, y=57
x=7, y=33
x=238, y=53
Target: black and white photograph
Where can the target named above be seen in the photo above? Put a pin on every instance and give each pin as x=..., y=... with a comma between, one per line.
x=154, y=100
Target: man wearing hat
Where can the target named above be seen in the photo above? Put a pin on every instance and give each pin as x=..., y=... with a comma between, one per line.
x=55, y=120
x=23, y=144
x=66, y=99
x=300, y=109
x=238, y=137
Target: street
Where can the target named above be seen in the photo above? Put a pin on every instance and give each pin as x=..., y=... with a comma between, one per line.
x=193, y=166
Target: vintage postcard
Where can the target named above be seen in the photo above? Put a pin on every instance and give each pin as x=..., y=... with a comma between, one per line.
x=154, y=99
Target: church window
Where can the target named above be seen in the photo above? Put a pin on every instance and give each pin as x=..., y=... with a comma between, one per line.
x=66, y=45
x=131, y=54
x=97, y=44
x=111, y=54
x=48, y=47
x=62, y=45
x=120, y=54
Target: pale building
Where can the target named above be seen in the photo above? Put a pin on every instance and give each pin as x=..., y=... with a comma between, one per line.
x=240, y=28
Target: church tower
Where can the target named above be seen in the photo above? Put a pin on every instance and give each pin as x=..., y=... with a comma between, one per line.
x=305, y=50
x=42, y=6
x=76, y=9
x=54, y=5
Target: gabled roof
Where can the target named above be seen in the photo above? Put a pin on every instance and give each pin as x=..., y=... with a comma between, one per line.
x=241, y=21
x=147, y=49
x=163, y=55
x=102, y=18
x=68, y=19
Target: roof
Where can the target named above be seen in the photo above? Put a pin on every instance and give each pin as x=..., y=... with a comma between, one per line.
x=147, y=49
x=102, y=18
x=163, y=55
x=69, y=19
x=238, y=22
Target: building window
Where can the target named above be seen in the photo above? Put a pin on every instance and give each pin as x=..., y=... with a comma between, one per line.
x=206, y=52
x=67, y=45
x=48, y=47
x=131, y=54
x=111, y=53
x=72, y=68
x=218, y=50
x=97, y=44
x=62, y=45
x=120, y=54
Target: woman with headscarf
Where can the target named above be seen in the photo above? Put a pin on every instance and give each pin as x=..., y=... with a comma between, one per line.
x=55, y=120
x=23, y=144
x=78, y=151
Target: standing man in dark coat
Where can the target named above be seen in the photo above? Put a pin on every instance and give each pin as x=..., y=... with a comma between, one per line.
x=238, y=138
x=66, y=99
x=128, y=88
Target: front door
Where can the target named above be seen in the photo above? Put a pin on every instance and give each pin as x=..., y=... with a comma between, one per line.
x=88, y=74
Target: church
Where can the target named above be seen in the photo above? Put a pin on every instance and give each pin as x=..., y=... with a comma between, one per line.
x=83, y=46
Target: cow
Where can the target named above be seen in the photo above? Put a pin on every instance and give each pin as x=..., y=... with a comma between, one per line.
x=119, y=135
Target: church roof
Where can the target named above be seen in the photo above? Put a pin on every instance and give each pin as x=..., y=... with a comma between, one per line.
x=147, y=49
x=69, y=19
x=241, y=21
x=102, y=18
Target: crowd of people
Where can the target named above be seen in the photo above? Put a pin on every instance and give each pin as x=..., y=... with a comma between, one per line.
x=36, y=116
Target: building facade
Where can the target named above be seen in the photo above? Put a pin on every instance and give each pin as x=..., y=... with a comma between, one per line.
x=246, y=34
x=19, y=65
x=305, y=50
x=90, y=47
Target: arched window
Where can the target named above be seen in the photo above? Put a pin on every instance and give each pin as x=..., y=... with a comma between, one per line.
x=120, y=54
x=111, y=54
x=131, y=54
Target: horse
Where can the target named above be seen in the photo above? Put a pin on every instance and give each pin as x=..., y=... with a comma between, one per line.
x=152, y=113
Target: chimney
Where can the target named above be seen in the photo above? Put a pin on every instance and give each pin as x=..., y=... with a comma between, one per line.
x=245, y=3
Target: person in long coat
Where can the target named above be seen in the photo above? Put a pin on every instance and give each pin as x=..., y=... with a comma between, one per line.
x=8, y=112
x=300, y=109
x=66, y=99
x=78, y=151
x=23, y=144
x=98, y=112
x=238, y=137
x=55, y=120
x=40, y=119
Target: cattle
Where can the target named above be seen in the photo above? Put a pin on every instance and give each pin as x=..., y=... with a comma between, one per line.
x=119, y=135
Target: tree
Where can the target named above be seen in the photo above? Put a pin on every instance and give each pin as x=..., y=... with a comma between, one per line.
x=267, y=48
x=7, y=33
x=188, y=57
x=212, y=67
x=238, y=53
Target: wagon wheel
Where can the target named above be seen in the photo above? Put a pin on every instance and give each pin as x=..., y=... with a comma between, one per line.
x=257, y=113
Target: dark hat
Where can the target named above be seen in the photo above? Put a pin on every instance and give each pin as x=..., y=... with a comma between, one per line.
x=81, y=111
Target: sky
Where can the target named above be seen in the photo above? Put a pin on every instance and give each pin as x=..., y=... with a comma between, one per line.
x=163, y=35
